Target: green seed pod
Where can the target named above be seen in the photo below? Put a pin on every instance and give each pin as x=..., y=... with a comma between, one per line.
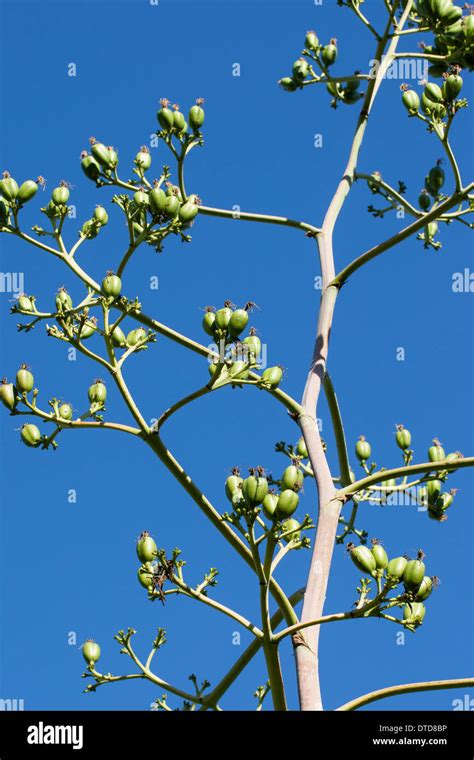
x=136, y=336
x=269, y=505
x=157, y=200
x=450, y=13
x=188, y=211
x=97, y=392
x=63, y=300
x=111, y=285
x=165, y=115
x=291, y=526
x=239, y=370
x=424, y=200
x=103, y=155
x=8, y=395
x=436, y=452
x=90, y=166
x=233, y=485
x=8, y=187
x=380, y=555
x=253, y=344
x=30, y=435
x=445, y=500
x=300, y=69
x=146, y=547
x=118, y=337
x=143, y=158
x=411, y=100
x=25, y=303
x=101, y=215
x=414, y=611
x=424, y=590
x=311, y=41
x=396, y=568
x=65, y=411
x=238, y=322
x=468, y=27
x=362, y=558
x=88, y=329
x=292, y=478
x=24, y=380
x=414, y=573
x=363, y=449
x=287, y=503
x=89, y=229
x=145, y=576
x=433, y=92
x=453, y=86
x=403, y=438
x=91, y=651
x=60, y=195
x=196, y=115
x=208, y=322
x=431, y=230
x=288, y=84
x=436, y=177
x=26, y=191
x=222, y=318
x=272, y=376
x=301, y=448
x=4, y=213
x=141, y=199
x=172, y=206
x=254, y=489
x=179, y=122
x=433, y=490
x=174, y=190
x=329, y=53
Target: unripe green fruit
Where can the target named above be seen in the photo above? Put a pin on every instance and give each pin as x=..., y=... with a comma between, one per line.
x=143, y=158
x=171, y=207
x=97, y=392
x=145, y=576
x=396, y=567
x=411, y=100
x=105, y=156
x=450, y=13
x=165, y=116
x=24, y=380
x=424, y=590
x=141, y=198
x=222, y=318
x=8, y=395
x=196, y=115
x=403, y=438
x=433, y=92
x=65, y=411
x=90, y=167
x=329, y=53
x=8, y=187
x=91, y=651
x=424, y=200
x=254, y=345
x=363, y=449
x=89, y=229
x=208, y=322
x=436, y=177
x=287, y=503
x=27, y=190
x=146, y=547
x=300, y=69
x=269, y=505
x=292, y=477
x=30, y=435
x=272, y=376
x=239, y=370
x=136, y=336
x=118, y=337
x=311, y=41
x=444, y=501
x=238, y=322
x=233, y=485
x=453, y=85
x=60, y=195
x=88, y=329
x=433, y=490
x=157, y=200
x=179, y=122
x=111, y=285
x=292, y=526
x=362, y=558
x=431, y=230
x=414, y=573
x=288, y=84
x=436, y=453
x=301, y=448
x=101, y=215
x=25, y=303
x=380, y=556
x=188, y=211
x=414, y=610
x=174, y=190
x=254, y=489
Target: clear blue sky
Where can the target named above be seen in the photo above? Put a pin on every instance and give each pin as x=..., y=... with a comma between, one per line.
x=71, y=567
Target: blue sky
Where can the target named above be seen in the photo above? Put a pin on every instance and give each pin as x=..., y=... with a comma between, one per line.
x=70, y=567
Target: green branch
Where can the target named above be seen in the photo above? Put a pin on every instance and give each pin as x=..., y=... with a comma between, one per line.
x=405, y=688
